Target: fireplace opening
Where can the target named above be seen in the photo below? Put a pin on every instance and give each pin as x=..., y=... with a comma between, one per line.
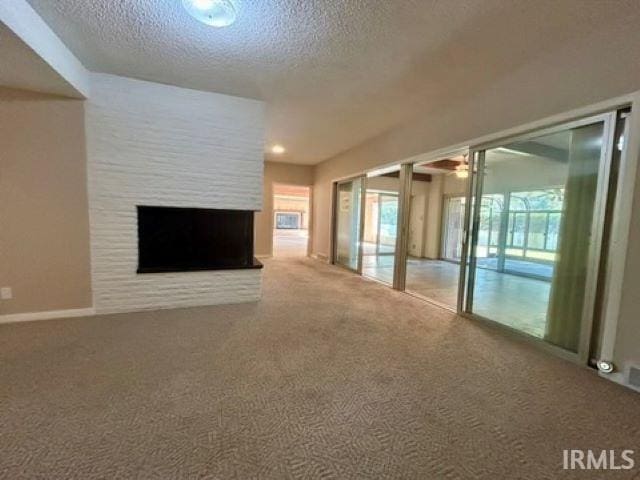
x=175, y=239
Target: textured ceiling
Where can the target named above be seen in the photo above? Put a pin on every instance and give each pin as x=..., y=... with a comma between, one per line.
x=333, y=72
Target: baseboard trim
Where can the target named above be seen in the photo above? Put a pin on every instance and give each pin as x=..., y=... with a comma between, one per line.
x=320, y=256
x=48, y=315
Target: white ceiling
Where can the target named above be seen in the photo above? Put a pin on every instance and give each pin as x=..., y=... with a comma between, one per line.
x=333, y=72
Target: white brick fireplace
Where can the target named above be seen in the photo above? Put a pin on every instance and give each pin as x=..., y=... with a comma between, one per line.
x=157, y=145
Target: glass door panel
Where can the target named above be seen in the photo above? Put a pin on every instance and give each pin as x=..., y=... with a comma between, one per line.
x=489, y=231
x=545, y=193
x=347, y=235
x=380, y=226
x=436, y=229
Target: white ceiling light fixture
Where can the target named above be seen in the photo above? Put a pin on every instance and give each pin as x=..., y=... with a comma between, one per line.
x=278, y=149
x=462, y=172
x=217, y=13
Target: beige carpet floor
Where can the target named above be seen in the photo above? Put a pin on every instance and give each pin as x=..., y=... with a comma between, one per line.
x=330, y=376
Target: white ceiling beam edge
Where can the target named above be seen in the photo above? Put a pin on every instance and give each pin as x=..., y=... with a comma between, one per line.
x=23, y=20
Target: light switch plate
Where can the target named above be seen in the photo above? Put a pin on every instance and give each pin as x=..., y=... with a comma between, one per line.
x=6, y=293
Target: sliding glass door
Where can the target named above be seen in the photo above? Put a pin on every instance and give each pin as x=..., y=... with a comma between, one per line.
x=380, y=228
x=348, y=223
x=538, y=213
x=511, y=232
x=436, y=228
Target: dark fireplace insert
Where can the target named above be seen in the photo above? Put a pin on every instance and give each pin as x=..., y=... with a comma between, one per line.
x=176, y=239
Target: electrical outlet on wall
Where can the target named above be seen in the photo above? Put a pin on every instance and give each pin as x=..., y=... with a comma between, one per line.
x=6, y=293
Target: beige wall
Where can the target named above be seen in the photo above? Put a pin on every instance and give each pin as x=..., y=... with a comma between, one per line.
x=44, y=228
x=417, y=218
x=433, y=222
x=425, y=220
x=455, y=186
x=276, y=172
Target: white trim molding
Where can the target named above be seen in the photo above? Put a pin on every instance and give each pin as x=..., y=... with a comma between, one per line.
x=47, y=315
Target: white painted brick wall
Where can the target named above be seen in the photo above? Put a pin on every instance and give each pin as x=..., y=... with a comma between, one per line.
x=152, y=144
